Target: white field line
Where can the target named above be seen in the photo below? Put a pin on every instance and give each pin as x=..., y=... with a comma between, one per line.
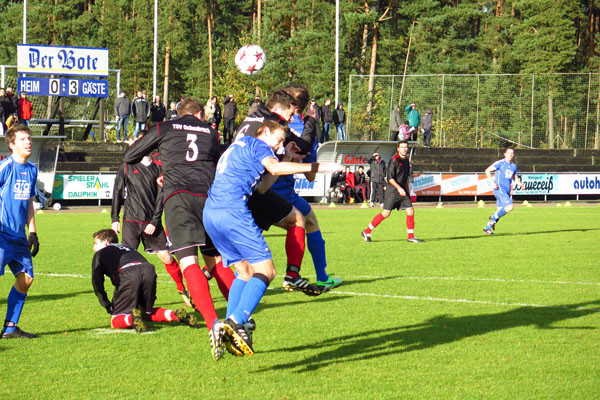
x=107, y=331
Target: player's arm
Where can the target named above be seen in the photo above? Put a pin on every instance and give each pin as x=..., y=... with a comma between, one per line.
x=98, y=284
x=144, y=146
x=277, y=168
x=34, y=244
x=158, y=208
x=118, y=198
x=488, y=173
x=518, y=182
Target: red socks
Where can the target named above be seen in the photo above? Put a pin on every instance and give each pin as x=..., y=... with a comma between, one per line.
x=198, y=288
x=175, y=272
x=160, y=314
x=410, y=226
x=376, y=221
x=121, y=321
x=295, y=246
x=224, y=277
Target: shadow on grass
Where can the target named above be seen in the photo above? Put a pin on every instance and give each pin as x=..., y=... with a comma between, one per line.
x=483, y=235
x=441, y=330
x=32, y=298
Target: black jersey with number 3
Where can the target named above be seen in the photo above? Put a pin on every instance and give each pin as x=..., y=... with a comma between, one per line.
x=189, y=151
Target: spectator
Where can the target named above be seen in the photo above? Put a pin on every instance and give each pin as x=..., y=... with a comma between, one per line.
x=377, y=170
x=257, y=102
x=218, y=115
x=14, y=101
x=395, y=121
x=25, y=109
x=426, y=127
x=5, y=107
x=349, y=186
x=172, y=111
x=140, y=109
x=327, y=119
x=404, y=131
x=414, y=118
x=158, y=111
x=314, y=111
x=209, y=110
x=179, y=103
x=361, y=189
x=122, y=111
x=339, y=119
x=229, y=115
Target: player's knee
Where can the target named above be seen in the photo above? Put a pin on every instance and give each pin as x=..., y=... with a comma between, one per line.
x=508, y=208
x=312, y=225
x=164, y=256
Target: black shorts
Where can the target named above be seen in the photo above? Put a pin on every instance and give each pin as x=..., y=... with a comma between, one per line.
x=134, y=231
x=135, y=285
x=268, y=208
x=395, y=201
x=183, y=221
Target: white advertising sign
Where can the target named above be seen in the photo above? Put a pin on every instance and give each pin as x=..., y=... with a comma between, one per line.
x=61, y=60
x=315, y=188
x=80, y=187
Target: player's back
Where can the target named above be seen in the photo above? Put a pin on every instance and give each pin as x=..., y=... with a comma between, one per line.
x=250, y=125
x=114, y=257
x=239, y=170
x=142, y=191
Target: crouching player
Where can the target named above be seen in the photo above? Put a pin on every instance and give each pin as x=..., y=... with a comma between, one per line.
x=231, y=226
x=135, y=285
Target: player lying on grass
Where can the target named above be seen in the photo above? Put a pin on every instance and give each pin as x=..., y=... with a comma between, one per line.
x=135, y=285
x=505, y=173
x=235, y=234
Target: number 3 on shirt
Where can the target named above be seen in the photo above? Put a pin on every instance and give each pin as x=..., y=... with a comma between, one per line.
x=192, y=153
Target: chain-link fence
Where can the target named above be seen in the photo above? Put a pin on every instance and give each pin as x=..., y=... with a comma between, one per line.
x=533, y=110
x=75, y=108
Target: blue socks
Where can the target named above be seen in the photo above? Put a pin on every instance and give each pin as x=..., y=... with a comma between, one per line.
x=253, y=292
x=316, y=246
x=499, y=214
x=235, y=294
x=14, y=303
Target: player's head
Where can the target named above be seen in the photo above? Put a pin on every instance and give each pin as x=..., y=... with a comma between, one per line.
x=18, y=138
x=190, y=106
x=300, y=94
x=402, y=148
x=347, y=169
x=281, y=103
x=361, y=168
x=272, y=134
x=509, y=153
x=103, y=238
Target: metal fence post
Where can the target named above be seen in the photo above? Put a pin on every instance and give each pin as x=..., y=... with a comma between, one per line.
x=2, y=79
x=443, y=142
x=349, y=111
x=391, y=109
x=477, y=115
x=532, y=106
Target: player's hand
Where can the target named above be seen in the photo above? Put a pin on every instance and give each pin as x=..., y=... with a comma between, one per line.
x=292, y=152
x=149, y=230
x=330, y=167
x=401, y=192
x=116, y=226
x=34, y=244
x=522, y=186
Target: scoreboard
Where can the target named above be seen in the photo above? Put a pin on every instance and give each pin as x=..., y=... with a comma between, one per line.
x=63, y=87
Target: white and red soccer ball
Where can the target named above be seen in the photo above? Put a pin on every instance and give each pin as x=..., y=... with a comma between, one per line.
x=250, y=59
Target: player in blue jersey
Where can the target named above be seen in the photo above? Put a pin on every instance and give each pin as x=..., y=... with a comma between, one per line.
x=306, y=129
x=235, y=234
x=505, y=173
x=17, y=184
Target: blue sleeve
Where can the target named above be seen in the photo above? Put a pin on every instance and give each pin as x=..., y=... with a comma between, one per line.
x=33, y=182
x=263, y=151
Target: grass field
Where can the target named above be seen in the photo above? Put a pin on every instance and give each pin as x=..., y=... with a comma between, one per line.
x=464, y=315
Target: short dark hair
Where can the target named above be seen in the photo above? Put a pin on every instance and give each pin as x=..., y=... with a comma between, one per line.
x=300, y=93
x=280, y=98
x=189, y=106
x=106, y=234
x=270, y=125
x=402, y=141
x=11, y=133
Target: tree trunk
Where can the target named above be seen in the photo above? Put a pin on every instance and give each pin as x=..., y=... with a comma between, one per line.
x=258, y=19
x=166, y=81
x=365, y=37
x=210, y=55
x=550, y=120
x=372, y=77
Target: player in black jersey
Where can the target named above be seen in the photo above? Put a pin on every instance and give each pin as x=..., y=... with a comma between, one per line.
x=136, y=189
x=397, y=195
x=267, y=207
x=189, y=150
x=135, y=285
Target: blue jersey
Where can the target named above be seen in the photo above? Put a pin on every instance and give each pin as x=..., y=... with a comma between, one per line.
x=504, y=174
x=284, y=185
x=238, y=171
x=17, y=183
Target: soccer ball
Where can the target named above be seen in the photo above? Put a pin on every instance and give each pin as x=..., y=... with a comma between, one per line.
x=250, y=59
x=56, y=206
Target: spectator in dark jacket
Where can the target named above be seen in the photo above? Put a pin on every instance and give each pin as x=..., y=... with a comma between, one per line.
x=14, y=101
x=377, y=170
x=140, y=109
x=122, y=111
x=361, y=189
x=426, y=127
x=158, y=111
x=339, y=119
x=257, y=102
x=229, y=115
x=218, y=115
x=5, y=110
x=172, y=111
x=395, y=122
x=327, y=119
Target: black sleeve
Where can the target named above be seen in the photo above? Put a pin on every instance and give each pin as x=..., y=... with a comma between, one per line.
x=158, y=207
x=118, y=193
x=391, y=170
x=142, y=147
x=98, y=282
x=308, y=137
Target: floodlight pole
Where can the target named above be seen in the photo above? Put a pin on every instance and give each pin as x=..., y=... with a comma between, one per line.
x=155, y=49
x=337, y=49
x=24, y=21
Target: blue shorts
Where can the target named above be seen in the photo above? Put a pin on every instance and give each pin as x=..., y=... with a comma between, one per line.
x=503, y=199
x=294, y=199
x=15, y=252
x=235, y=235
